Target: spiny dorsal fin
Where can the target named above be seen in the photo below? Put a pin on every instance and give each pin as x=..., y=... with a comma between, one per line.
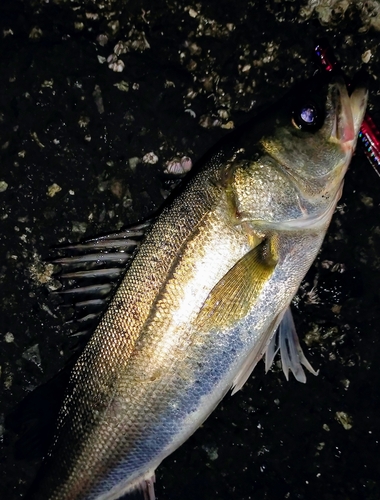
x=91, y=271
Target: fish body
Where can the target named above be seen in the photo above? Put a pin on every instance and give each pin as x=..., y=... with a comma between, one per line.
x=204, y=295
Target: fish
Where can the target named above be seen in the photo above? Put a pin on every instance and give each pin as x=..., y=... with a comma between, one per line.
x=206, y=295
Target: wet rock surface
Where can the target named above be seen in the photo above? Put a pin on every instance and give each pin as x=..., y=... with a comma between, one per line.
x=96, y=100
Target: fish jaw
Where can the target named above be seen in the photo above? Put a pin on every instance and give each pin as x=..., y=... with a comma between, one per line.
x=349, y=117
x=344, y=130
x=351, y=110
x=358, y=104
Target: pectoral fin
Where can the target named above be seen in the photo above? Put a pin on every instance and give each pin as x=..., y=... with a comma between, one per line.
x=234, y=296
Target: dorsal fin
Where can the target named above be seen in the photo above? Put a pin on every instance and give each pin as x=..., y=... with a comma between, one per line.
x=90, y=272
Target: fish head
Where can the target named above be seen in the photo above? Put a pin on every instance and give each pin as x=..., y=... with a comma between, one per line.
x=315, y=132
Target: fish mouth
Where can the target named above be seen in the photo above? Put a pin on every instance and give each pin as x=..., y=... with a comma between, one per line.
x=350, y=109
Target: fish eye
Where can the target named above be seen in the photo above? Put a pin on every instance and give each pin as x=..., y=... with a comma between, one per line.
x=307, y=117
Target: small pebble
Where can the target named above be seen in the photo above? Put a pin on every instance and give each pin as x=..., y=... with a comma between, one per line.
x=150, y=158
x=133, y=162
x=9, y=337
x=53, y=190
x=366, y=56
x=344, y=419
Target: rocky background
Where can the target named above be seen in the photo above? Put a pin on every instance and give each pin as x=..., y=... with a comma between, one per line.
x=96, y=98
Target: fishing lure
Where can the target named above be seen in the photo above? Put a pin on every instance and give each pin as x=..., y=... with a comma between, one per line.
x=369, y=133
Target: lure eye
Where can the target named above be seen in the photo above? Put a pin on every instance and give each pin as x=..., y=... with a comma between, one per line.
x=307, y=117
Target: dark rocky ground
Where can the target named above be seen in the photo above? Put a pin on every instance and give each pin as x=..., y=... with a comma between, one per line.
x=68, y=120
